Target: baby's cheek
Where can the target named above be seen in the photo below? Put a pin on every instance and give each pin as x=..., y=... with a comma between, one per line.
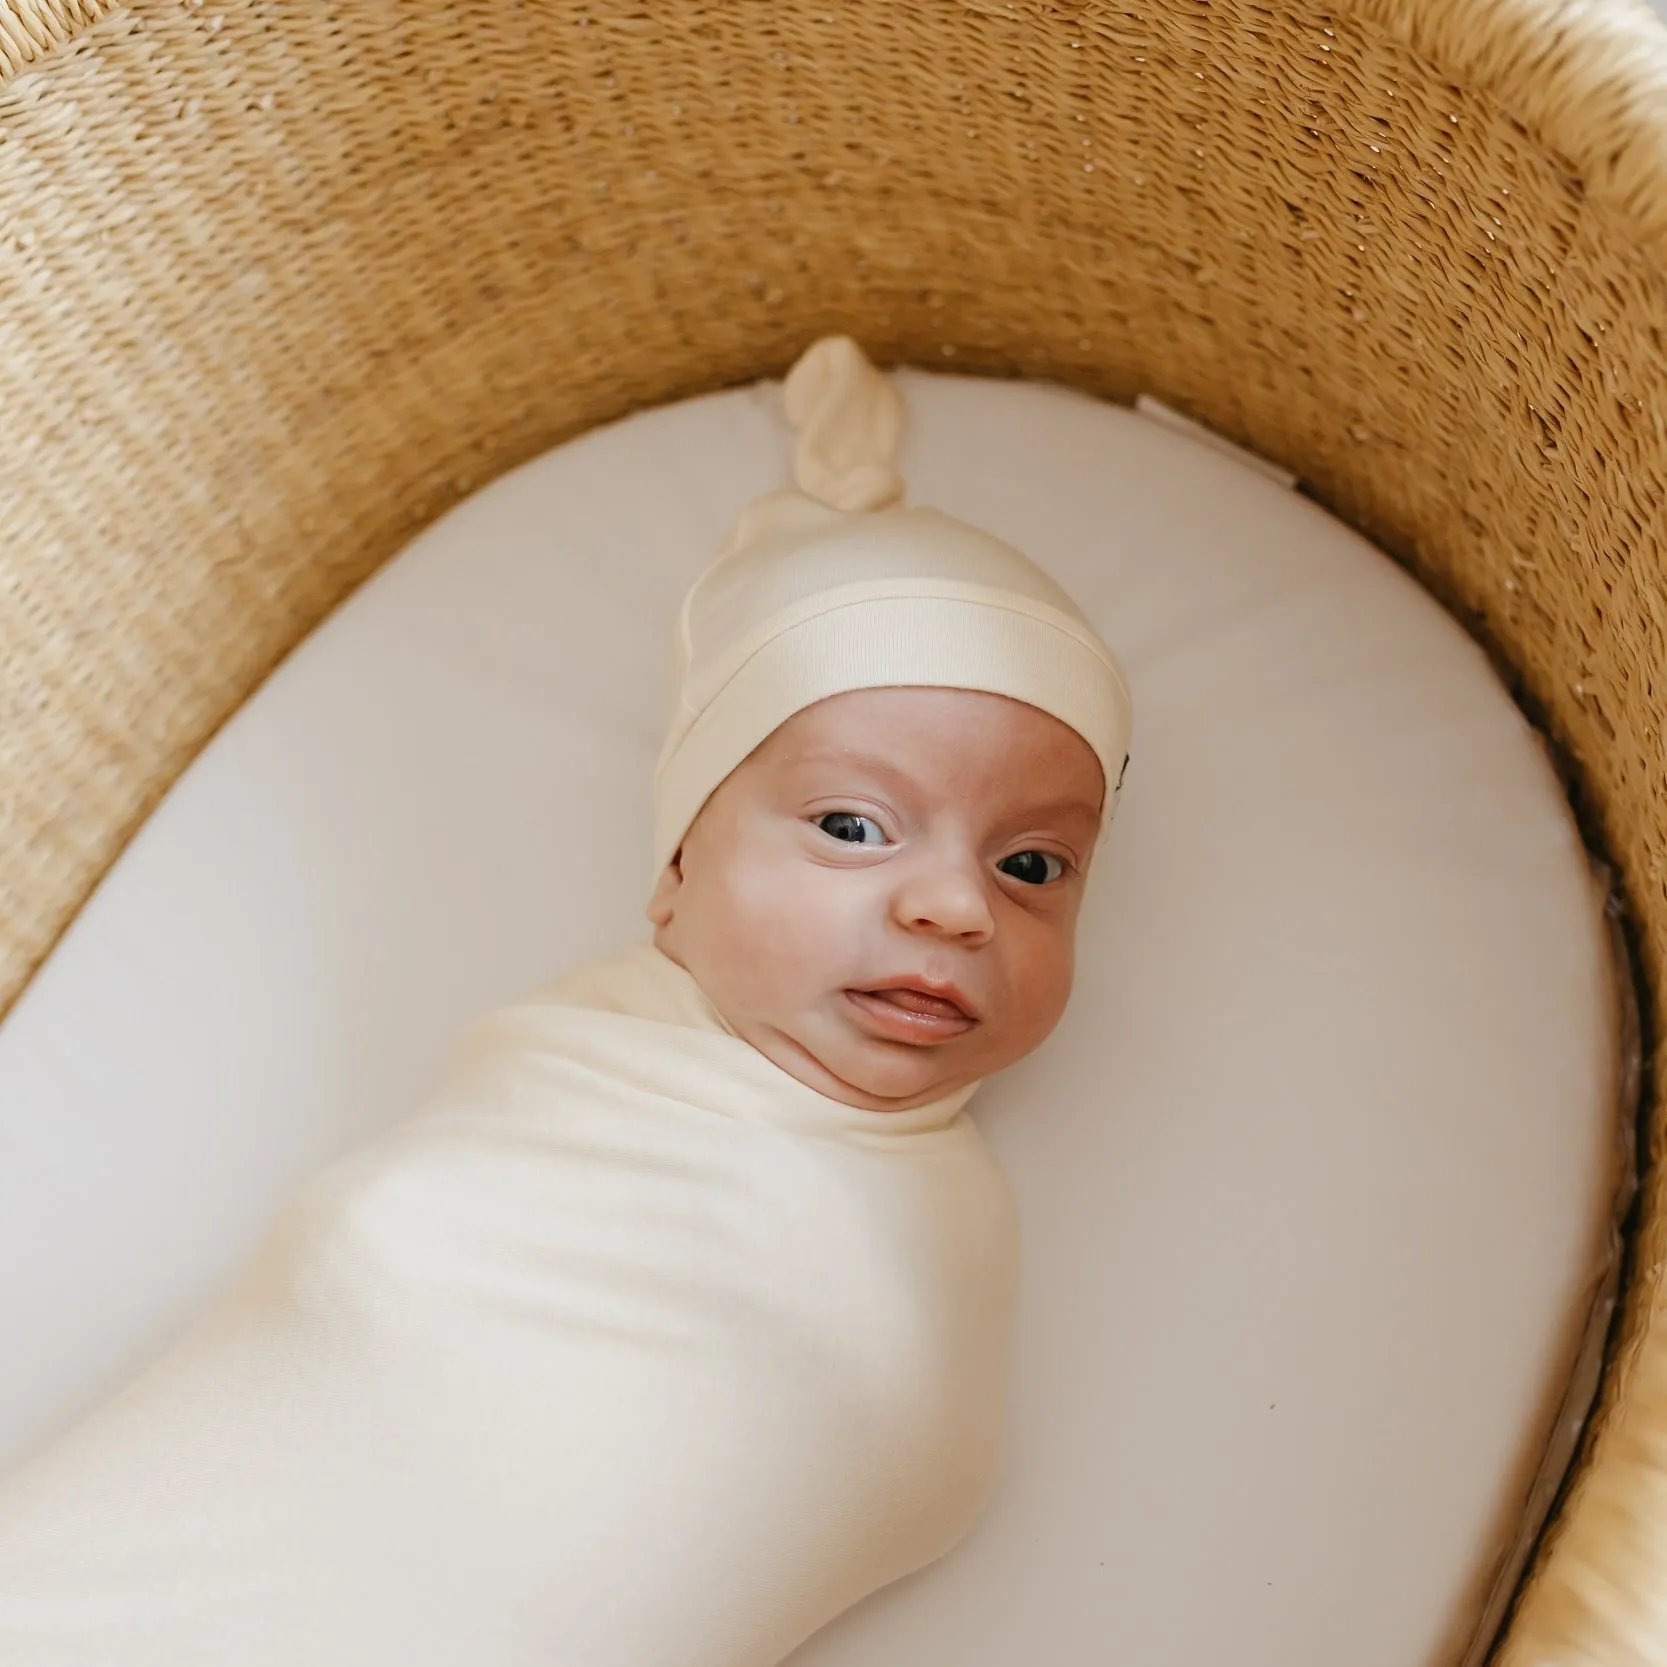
x=1041, y=978
x=776, y=937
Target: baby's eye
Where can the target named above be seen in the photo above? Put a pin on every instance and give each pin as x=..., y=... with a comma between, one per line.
x=1032, y=867
x=847, y=825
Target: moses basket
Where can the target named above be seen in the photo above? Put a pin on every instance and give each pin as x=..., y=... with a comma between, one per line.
x=280, y=282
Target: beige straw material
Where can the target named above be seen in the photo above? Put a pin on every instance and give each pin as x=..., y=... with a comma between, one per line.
x=280, y=281
x=30, y=29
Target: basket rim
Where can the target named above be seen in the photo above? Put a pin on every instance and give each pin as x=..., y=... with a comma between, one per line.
x=31, y=30
x=1586, y=78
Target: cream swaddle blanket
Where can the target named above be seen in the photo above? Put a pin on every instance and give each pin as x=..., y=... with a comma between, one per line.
x=630, y=1350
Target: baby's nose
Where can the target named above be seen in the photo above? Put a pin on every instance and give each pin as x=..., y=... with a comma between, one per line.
x=945, y=897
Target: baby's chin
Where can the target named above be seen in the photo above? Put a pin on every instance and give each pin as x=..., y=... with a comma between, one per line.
x=859, y=1070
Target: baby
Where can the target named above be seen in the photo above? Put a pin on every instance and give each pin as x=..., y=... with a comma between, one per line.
x=677, y=1321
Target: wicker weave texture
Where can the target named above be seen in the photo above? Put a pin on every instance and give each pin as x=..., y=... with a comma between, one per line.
x=279, y=282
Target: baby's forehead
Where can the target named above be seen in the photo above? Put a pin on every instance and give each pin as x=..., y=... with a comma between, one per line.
x=922, y=723
x=926, y=741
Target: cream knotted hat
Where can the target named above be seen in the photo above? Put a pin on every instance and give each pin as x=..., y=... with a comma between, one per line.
x=836, y=586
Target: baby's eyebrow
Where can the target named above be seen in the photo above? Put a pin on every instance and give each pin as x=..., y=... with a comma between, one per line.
x=868, y=761
x=1059, y=810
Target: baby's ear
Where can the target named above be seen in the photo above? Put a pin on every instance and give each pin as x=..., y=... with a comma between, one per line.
x=660, y=903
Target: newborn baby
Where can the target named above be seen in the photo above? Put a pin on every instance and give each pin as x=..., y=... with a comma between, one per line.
x=676, y=1322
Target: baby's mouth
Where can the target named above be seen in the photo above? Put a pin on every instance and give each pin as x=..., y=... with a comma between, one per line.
x=917, y=1001
x=910, y=1015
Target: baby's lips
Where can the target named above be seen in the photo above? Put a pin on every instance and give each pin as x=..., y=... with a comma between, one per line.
x=916, y=1001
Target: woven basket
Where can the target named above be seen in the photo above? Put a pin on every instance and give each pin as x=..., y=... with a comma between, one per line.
x=279, y=282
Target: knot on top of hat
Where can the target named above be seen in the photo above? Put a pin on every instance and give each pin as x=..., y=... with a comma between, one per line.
x=849, y=418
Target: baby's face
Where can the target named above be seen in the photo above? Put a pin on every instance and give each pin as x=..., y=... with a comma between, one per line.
x=880, y=836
